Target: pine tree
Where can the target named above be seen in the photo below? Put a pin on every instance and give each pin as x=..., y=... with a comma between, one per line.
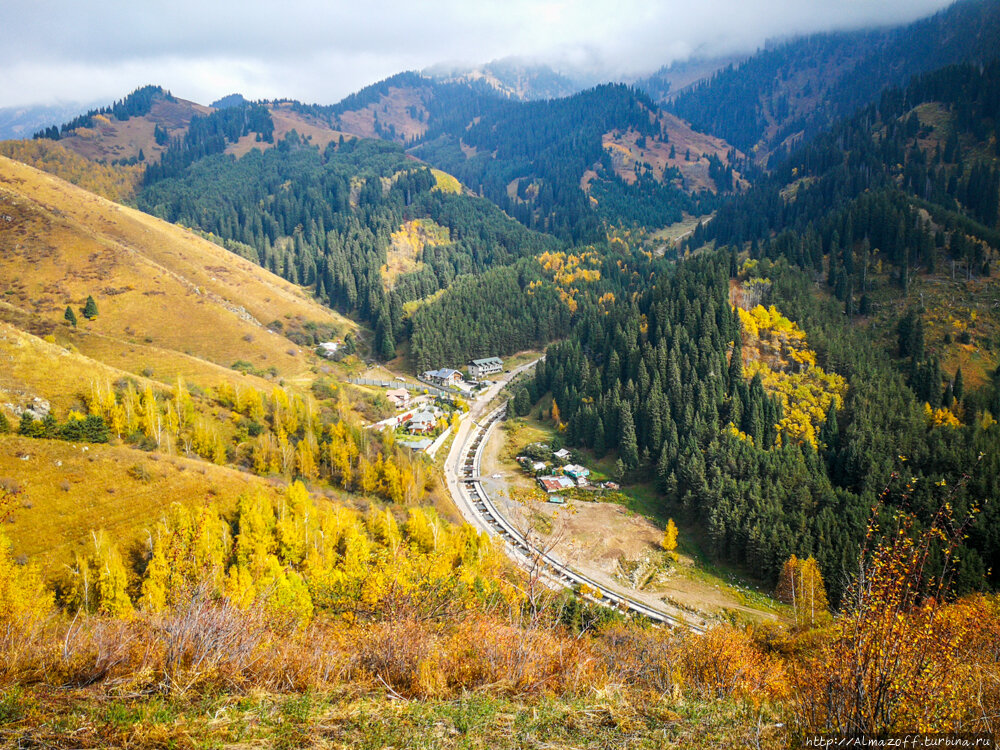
x=70, y=316
x=90, y=309
x=628, y=446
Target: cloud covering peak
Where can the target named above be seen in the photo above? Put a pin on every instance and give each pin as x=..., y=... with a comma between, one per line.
x=320, y=51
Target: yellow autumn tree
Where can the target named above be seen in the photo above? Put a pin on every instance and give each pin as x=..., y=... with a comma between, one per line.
x=900, y=658
x=801, y=585
x=22, y=591
x=669, y=541
x=110, y=578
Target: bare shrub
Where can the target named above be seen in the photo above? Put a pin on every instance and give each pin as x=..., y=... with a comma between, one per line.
x=642, y=658
x=209, y=642
x=92, y=649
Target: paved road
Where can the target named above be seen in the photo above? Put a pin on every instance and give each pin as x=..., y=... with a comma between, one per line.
x=479, y=510
x=452, y=467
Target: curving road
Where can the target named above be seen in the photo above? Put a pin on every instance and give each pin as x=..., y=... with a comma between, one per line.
x=462, y=472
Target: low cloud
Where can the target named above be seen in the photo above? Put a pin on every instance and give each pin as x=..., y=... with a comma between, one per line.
x=53, y=50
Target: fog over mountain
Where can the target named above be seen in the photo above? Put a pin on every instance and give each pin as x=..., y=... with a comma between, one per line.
x=319, y=52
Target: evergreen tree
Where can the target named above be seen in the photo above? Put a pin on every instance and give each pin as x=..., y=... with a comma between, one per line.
x=628, y=447
x=90, y=308
x=522, y=403
x=70, y=316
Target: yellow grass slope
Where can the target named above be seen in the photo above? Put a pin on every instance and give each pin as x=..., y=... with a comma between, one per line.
x=168, y=301
x=65, y=490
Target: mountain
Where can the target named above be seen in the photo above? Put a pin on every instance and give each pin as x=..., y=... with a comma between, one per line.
x=560, y=166
x=178, y=322
x=23, y=122
x=515, y=78
x=170, y=302
x=671, y=80
x=795, y=89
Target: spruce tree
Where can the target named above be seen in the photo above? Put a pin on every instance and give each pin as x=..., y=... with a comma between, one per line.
x=90, y=309
x=628, y=447
x=70, y=316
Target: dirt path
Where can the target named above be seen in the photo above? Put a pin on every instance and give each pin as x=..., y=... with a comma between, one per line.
x=607, y=542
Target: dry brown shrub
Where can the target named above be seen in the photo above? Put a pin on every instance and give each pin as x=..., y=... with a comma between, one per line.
x=91, y=649
x=404, y=656
x=646, y=659
x=212, y=642
x=484, y=652
x=27, y=648
x=728, y=662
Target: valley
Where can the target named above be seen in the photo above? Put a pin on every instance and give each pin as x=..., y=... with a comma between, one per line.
x=506, y=403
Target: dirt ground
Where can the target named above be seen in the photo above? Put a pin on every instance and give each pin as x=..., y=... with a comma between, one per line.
x=609, y=543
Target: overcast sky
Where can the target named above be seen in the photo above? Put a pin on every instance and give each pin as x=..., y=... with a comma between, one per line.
x=316, y=51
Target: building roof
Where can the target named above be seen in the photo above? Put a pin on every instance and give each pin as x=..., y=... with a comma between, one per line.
x=575, y=470
x=554, y=484
x=417, y=445
x=561, y=453
x=486, y=362
x=444, y=373
x=397, y=393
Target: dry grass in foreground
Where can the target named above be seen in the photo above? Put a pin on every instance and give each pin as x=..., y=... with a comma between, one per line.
x=294, y=626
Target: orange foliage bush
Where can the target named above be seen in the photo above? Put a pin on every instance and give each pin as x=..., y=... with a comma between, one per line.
x=900, y=659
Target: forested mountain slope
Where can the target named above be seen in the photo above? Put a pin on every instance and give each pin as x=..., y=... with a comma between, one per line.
x=561, y=166
x=338, y=220
x=879, y=238
x=796, y=89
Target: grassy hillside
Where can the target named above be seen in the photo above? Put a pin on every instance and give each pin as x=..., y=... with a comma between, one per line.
x=106, y=138
x=169, y=302
x=64, y=491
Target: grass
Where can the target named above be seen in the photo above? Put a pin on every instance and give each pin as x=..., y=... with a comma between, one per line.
x=66, y=490
x=154, y=283
x=351, y=718
x=952, y=306
x=679, y=230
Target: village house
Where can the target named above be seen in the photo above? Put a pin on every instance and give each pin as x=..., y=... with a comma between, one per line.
x=444, y=376
x=575, y=471
x=538, y=466
x=479, y=368
x=555, y=484
x=562, y=454
x=398, y=397
x=422, y=422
